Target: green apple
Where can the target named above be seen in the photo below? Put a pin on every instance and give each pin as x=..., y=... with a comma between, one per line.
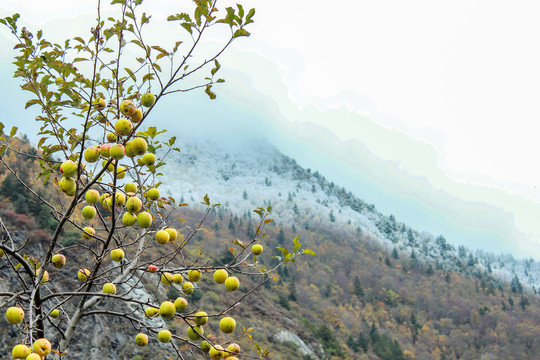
x=99, y=104
x=15, y=315
x=109, y=288
x=148, y=99
x=20, y=351
x=232, y=283
x=68, y=186
x=104, y=150
x=141, y=339
x=162, y=237
x=127, y=107
x=130, y=188
x=144, y=220
x=139, y=146
x=234, y=349
x=227, y=325
x=83, y=274
x=167, y=278
x=42, y=347
x=200, y=318
x=117, y=151
x=164, y=336
x=89, y=212
x=91, y=196
x=188, y=288
x=257, y=249
x=55, y=314
x=123, y=127
x=167, y=309
x=117, y=255
x=205, y=346
x=151, y=312
x=111, y=137
x=91, y=154
x=133, y=204
x=88, y=232
x=180, y=303
x=194, y=332
x=216, y=352
x=68, y=168
x=153, y=194
x=194, y=275
x=178, y=279
x=220, y=276
x=58, y=260
x=129, y=219
x=149, y=159
x=137, y=116
x=173, y=234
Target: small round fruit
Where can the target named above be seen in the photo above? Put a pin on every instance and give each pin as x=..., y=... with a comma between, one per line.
x=68, y=186
x=99, y=104
x=130, y=188
x=91, y=196
x=162, y=237
x=109, y=288
x=68, y=168
x=216, y=352
x=148, y=99
x=20, y=351
x=121, y=173
x=173, y=234
x=232, y=283
x=151, y=312
x=127, y=107
x=123, y=127
x=42, y=347
x=104, y=150
x=15, y=315
x=205, y=346
x=129, y=219
x=234, y=349
x=153, y=194
x=152, y=269
x=141, y=339
x=111, y=137
x=194, y=332
x=178, y=279
x=227, y=325
x=164, y=336
x=117, y=151
x=134, y=204
x=194, y=275
x=180, y=304
x=144, y=220
x=1, y=253
x=55, y=314
x=120, y=199
x=58, y=260
x=129, y=149
x=188, y=288
x=117, y=255
x=91, y=154
x=220, y=276
x=88, y=232
x=149, y=159
x=83, y=274
x=200, y=318
x=137, y=116
x=33, y=356
x=44, y=277
x=167, y=309
x=167, y=278
x=257, y=249
x=89, y=212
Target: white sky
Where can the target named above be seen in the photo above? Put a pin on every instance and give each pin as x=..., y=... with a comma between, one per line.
x=448, y=92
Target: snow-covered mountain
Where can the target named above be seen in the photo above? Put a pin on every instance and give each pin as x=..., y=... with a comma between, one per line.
x=246, y=176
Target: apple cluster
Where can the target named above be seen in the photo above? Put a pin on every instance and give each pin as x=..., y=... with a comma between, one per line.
x=40, y=348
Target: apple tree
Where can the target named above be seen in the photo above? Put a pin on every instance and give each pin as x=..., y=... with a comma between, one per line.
x=96, y=151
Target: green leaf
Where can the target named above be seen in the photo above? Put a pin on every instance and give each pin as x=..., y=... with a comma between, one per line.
x=308, y=252
x=31, y=102
x=284, y=251
x=241, y=32
x=187, y=26
x=220, y=80
x=13, y=131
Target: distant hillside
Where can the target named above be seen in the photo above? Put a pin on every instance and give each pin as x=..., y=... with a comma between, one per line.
x=258, y=174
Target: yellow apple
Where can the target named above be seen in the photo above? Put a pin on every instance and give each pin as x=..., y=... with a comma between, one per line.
x=68, y=168
x=148, y=99
x=257, y=249
x=130, y=188
x=20, y=351
x=232, y=283
x=220, y=276
x=83, y=274
x=164, y=336
x=216, y=352
x=117, y=255
x=149, y=159
x=99, y=104
x=91, y=154
x=92, y=196
x=144, y=220
x=234, y=349
x=129, y=219
x=117, y=151
x=109, y=288
x=111, y=137
x=227, y=325
x=178, y=279
x=33, y=356
x=151, y=312
x=162, y=237
x=55, y=314
x=200, y=318
x=68, y=186
x=173, y=234
x=58, y=260
x=194, y=275
x=167, y=309
x=194, y=332
x=15, y=315
x=141, y=339
x=127, y=107
x=188, y=288
x=42, y=347
x=123, y=127
x=88, y=232
x=180, y=304
x=153, y=194
x=133, y=204
x=167, y=278
x=137, y=116
x=89, y=212
x=205, y=346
